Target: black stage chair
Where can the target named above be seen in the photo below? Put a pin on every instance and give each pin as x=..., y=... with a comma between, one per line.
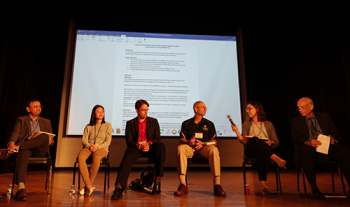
x=144, y=160
x=35, y=161
x=196, y=159
x=104, y=161
x=249, y=160
x=323, y=160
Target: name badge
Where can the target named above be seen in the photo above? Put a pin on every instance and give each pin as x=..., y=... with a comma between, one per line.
x=198, y=135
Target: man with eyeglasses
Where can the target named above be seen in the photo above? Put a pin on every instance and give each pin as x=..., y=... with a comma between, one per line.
x=305, y=130
x=198, y=137
x=142, y=137
x=24, y=141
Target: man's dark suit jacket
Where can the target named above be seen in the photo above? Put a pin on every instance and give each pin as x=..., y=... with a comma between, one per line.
x=21, y=130
x=132, y=131
x=300, y=130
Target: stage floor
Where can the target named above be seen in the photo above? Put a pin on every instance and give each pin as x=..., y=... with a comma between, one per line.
x=199, y=184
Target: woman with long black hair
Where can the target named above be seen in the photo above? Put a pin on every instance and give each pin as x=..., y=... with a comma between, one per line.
x=96, y=140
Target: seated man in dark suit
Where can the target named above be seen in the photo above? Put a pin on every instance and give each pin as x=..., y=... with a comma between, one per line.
x=305, y=129
x=142, y=136
x=21, y=141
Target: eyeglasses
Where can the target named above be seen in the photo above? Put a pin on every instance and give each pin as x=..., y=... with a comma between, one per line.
x=302, y=107
x=37, y=106
x=248, y=109
x=202, y=107
x=143, y=110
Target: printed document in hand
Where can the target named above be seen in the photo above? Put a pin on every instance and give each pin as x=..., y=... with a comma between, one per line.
x=41, y=132
x=247, y=138
x=323, y=148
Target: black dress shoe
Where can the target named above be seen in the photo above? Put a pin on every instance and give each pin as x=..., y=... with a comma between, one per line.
x=21, y=195
x=218, y=191
x=117, y=193
x=317, y=194
x=156, y=186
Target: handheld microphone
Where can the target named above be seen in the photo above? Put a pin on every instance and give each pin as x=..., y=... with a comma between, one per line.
x=229, y=118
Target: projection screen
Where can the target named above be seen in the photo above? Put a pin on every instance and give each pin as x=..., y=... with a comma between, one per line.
x=170, y=71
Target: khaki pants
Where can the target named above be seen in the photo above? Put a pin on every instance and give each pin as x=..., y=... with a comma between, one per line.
x=210, y=152
x=95, y=165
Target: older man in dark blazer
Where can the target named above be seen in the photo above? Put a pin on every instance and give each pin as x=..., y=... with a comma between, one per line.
x=305, y=129
x=142, y=137
x=22, y=141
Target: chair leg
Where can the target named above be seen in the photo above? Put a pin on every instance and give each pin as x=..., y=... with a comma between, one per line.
x=298, y=180
x=108, y=175
x=277, y=175
x=104, y=183
x=78, y=180
x=75, y=165
x=50, y=178
x=278, y=180
x=342, y=181
x=302, y=174
x=47, y=176
x=332, y=171
x=244, y=178
x=13, y=181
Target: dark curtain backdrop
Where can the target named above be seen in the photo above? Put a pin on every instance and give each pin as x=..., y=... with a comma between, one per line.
x=291, y=50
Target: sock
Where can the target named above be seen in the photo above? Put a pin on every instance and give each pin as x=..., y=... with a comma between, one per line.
x=262, y=183
x=183, y=179
x=119, y=186
x=21, y=185
x=217, y=180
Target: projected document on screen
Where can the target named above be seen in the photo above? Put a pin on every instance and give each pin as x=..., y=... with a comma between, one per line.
x=170, y=71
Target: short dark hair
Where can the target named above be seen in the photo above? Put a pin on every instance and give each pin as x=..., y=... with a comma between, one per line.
x=139, y=103
x=30, y=101
x=260, y=110
x=93, y=118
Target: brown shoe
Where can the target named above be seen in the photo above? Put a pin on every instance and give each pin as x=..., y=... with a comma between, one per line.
x=21, y=195
x=181, y=190
x=218, y=191
x=3, y=154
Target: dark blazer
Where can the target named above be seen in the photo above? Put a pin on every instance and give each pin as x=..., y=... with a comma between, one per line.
x=22, y=129
x=300, y=130
x=132, y=131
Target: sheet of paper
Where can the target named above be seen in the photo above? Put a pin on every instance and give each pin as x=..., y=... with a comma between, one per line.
x=247, y=138
x=51, y=136
x=264, y=138
x=323, y=148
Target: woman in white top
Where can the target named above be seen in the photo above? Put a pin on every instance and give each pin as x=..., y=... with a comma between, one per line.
x=96, y=140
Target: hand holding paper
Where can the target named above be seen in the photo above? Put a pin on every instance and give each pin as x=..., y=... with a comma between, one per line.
x=332, y=140
x=314, y=143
